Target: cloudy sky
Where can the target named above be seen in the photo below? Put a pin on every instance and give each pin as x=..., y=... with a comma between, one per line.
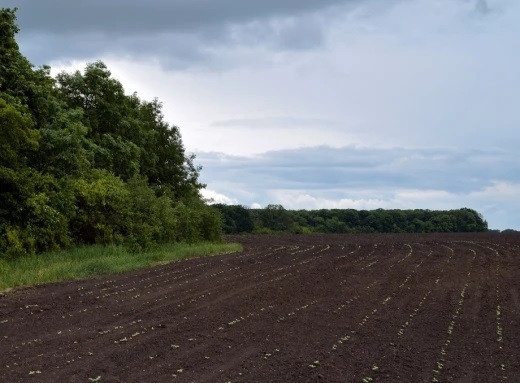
x=317, y=103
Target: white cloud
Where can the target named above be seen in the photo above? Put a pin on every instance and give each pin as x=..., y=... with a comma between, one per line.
x=498, y=203
x=506, y=191
x=300, y=199
x=215, y=197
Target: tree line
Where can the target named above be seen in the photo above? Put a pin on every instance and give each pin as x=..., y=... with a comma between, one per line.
x=82, y=162
x=276, y=219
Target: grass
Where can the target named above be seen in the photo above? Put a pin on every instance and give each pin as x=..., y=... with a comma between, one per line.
x=87, y=261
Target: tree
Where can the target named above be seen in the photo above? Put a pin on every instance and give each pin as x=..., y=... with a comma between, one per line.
x=275, y=218
x=15, y=70
x=236, y=219
x=82, y=162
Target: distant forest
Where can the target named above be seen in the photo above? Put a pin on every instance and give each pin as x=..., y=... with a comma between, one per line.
x=81, y=162
x=276, y=219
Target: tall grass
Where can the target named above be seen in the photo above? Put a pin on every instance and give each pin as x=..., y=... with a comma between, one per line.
x=87, y=261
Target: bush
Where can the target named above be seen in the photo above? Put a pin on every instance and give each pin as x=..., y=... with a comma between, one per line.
x=37, y=212
x=151, y=219
x=102, y=202
x=18, y=242
x=188, y=224
x=262, y=230
x=210, y=224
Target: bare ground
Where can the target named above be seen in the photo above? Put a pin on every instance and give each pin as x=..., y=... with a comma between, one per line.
x=353, y=308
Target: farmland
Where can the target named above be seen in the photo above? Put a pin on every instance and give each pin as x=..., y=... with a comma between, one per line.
x=331, y=308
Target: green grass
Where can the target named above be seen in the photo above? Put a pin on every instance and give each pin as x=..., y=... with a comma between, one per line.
x=87, y=261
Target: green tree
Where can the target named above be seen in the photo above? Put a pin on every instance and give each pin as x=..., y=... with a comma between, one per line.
x=82, y=162
x=18, y=138
x=236, y=219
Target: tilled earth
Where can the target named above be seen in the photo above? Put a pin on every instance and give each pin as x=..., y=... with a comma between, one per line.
x=356, y=308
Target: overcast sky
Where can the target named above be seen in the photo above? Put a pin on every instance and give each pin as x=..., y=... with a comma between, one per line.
x=317, y=103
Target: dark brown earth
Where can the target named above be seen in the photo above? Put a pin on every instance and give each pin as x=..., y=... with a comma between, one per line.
x=364, y=308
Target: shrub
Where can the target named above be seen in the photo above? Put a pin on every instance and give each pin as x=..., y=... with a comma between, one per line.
x=102, y=202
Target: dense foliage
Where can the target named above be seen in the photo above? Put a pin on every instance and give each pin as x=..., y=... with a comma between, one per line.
x=276, y=219
x=82, y=162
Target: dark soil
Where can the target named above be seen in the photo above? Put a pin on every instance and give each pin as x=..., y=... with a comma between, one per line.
x=353, y=308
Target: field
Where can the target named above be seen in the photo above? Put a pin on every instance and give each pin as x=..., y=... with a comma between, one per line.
x=363, y=308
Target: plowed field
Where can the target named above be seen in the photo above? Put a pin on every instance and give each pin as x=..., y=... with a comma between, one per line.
x=365, y=308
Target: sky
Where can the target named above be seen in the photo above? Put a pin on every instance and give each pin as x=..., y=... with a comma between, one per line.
x=317, y=103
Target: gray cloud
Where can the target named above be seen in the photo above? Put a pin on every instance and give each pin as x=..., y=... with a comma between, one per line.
x=173, y=31
x=324, y=177
x=179, y=33
x=482, y=6
x=134, y=17
x=351, y=167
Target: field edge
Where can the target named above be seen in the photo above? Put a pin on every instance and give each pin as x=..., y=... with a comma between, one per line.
x=90, y=261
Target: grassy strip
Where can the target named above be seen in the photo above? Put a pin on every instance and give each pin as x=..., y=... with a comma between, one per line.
x=87, y=261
